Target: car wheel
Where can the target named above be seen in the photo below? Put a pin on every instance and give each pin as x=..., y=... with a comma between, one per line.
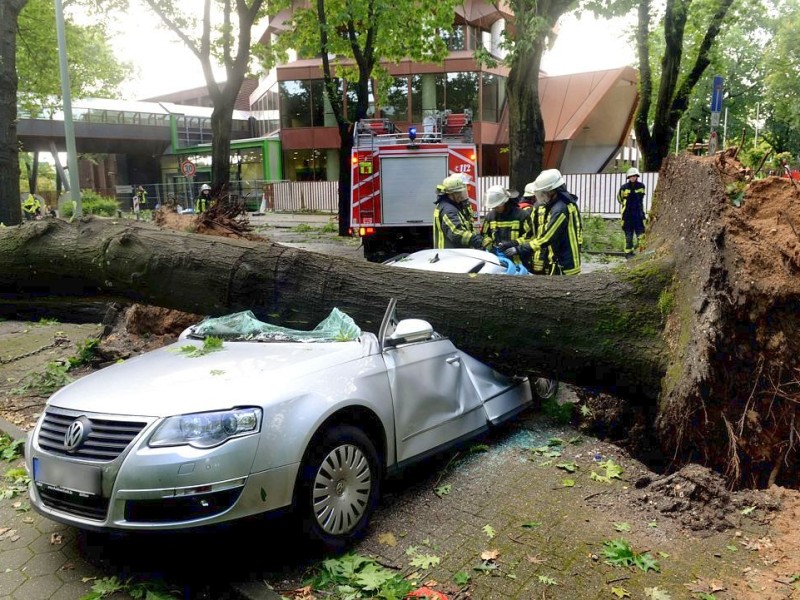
x=340, y=486
x=545, y=388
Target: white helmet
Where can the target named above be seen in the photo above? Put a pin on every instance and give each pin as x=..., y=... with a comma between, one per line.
x=548, y=180
x=205, y=187
x=530, y=190
x=497, y=195
x=454, y=183
x=632, y=172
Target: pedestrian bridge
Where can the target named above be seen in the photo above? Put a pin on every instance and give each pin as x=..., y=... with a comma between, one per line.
x=105, y=126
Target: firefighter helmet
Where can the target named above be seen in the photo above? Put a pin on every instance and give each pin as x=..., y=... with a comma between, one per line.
x=454, y=183
x=530, y=190
x=497, y=195
x=548, y=180
x=632, y=172
x=205, y=187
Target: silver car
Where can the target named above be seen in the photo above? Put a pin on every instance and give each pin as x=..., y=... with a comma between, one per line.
x=212, y=429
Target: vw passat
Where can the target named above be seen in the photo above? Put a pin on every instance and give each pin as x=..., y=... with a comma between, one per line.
x=240, y=417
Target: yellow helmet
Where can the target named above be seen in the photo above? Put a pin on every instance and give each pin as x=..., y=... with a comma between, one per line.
x=454, y=183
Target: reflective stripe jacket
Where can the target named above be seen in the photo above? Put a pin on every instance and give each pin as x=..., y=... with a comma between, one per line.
x=453, y=227
x=201, y=204
x=515, y=223
x=562, y=235
x=631, y=197
x=540, y=260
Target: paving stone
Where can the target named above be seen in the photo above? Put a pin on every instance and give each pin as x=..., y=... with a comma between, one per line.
x=75, y=568
x=14, y=558
x=10, y=581
x=72, y=590
x=39, y=588
x=44, y=563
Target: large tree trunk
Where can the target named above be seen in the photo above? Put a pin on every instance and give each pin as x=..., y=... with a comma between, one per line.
x=10, y=208
x=701, y=330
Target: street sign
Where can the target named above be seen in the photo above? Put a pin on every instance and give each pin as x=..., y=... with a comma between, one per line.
x=716, y=95
x=715, y=119
x=713, y=143
x=188, y=169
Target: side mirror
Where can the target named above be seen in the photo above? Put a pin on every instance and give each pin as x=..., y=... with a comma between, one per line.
x=409, y=331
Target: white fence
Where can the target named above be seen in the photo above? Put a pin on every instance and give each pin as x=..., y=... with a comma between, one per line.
x=597, y=193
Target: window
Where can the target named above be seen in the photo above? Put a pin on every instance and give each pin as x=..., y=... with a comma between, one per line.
x=455, y=38
x=461, y=92
x=427, y=95
x=493, y=97
x=295, y=98
x=396, y=108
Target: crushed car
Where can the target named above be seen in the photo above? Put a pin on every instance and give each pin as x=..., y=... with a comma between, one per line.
x=240, y=417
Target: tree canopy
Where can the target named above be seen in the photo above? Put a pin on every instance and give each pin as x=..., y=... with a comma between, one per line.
x=222, y=35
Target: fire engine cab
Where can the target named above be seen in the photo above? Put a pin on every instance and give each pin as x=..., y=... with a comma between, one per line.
x=394, y=179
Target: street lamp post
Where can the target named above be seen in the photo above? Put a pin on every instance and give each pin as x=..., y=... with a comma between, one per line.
x=69, y=129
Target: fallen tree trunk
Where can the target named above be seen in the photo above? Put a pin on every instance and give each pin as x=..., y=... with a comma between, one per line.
x=701, y=328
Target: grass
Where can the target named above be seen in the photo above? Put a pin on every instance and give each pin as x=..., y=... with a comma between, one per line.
x=602, y=235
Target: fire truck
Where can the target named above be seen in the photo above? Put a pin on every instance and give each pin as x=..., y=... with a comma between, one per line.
x=394, y=179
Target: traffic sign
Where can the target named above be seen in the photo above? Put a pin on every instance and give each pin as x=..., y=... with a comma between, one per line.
x=716, y=95
x=188, y=169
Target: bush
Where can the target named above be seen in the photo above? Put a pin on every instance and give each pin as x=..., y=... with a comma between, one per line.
x=92, y=204
x=602, y=235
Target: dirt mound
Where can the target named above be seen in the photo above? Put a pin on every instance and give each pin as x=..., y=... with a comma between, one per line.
x=697, y=497
x=730, y=397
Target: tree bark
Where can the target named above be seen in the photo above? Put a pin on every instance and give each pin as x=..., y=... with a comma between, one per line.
x=10, y=207
x=581, y=328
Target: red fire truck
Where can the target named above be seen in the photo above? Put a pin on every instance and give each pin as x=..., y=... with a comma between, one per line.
x=394, y=179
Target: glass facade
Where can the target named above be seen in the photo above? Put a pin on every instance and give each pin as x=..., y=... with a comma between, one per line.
x=493, y=97
x=457, y=92
x=305, y=165
x=303, y=103
x=266, y=110
x=396, y=107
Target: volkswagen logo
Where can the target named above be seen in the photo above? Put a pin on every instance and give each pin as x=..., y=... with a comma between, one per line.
x=76, y=433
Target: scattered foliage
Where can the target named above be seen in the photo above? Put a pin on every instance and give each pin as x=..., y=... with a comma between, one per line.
x=145, y=590
x=87, y=351
x=10, y=449
x=44, y=383
x=210, y=344
x=442, y=490
x=618, y=553
x=612, y=471
x=18, y=482
x=355, y=576
x=489, y=531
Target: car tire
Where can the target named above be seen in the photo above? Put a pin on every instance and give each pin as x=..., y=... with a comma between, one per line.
x=545, y=388
x=339, y=486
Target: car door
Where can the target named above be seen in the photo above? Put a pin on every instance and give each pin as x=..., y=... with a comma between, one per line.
x=433, y=399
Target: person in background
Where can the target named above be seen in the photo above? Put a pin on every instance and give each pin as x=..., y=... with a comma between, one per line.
x=505, y=221
x=562, y=235
x=631, y=198
x=203, y=201
x=540, y=261
x=453, y=219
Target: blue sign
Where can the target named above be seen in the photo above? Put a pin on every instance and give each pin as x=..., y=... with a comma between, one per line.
x=716, y=95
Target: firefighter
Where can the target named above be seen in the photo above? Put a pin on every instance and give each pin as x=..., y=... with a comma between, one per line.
x=32, y=208
x=506, y=221
x=631, y=197
x=562, y=235
x=203, y=201
x=539, y=260
x=453, y=220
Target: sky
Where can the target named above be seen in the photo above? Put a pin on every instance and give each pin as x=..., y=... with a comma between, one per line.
x=162, y=64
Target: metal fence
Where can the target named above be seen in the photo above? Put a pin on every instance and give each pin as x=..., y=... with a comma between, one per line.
x=597, y=193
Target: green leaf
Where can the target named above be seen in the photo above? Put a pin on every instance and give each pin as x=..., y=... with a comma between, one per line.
x=442, y=490
x=620, y=592
x=425, y=561
x=555, y=442
x=618, y=553
x=477, y=448
x=546, y=580
x=489, y=531
x=748, y=510
x=653, y=524
x=486, y=566
x=569, y=467
x=622, y=526
x=461, y=578
x=373, y=576
x=568, y=482
x=532, y=524
x=646, y=562
x=732, y=548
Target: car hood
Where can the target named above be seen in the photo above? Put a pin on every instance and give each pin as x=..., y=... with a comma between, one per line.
x=167, y=382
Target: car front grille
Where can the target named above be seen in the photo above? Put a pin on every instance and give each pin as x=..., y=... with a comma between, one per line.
x=91, y=507
x=107, y=440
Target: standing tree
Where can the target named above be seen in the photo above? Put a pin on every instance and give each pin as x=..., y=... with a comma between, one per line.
x=10, y=209
x=231, y=47
x=31, y=79
x=663, y=103
x=533, y=23
x=359, y=34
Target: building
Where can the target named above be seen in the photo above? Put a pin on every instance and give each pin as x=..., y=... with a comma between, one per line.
x=587, y=115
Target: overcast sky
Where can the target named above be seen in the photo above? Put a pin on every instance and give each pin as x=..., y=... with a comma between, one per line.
x=163, y=64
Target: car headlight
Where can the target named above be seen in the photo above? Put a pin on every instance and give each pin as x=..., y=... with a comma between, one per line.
x=204, y=430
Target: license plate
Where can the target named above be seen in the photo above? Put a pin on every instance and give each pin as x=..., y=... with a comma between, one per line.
x=71, y=478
